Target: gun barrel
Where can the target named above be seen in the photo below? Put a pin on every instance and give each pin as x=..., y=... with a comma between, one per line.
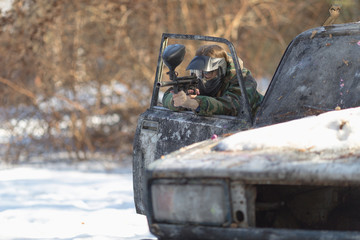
x=189, y=78
x=179, y=81
x=164, y=84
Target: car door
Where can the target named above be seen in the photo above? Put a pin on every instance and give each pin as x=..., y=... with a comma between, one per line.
x=161, y=131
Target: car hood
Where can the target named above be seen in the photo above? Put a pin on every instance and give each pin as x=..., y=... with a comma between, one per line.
x=323, y=150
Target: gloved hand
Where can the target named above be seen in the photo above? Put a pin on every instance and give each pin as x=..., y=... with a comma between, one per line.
x=183, y=100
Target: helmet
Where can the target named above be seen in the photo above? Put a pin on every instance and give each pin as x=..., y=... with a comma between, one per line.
x=202, y=66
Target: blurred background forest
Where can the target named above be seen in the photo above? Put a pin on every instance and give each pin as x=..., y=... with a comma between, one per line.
x=75, y=75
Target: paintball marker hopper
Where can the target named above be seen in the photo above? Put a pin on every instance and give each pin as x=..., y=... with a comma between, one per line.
x=173, y=55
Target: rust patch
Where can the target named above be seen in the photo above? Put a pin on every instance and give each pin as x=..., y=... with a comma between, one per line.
x=342, y=124
x=313, y=33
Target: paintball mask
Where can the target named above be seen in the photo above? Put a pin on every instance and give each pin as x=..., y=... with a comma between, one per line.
x=209, y=71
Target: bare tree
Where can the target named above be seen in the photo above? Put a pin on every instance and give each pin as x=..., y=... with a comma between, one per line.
x=84, y=69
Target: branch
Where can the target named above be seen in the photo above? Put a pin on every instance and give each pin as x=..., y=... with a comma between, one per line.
x=19, y=89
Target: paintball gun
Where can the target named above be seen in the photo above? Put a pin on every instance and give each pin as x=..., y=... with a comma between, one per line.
x=172, y=56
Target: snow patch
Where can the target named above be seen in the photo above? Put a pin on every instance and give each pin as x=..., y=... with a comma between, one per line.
x=336, y=130
x=48, y=203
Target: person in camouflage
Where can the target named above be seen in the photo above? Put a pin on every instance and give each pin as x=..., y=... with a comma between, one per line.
x=219, y=91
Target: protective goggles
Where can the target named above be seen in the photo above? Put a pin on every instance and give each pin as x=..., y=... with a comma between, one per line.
x=204, y=74
x=204, y=65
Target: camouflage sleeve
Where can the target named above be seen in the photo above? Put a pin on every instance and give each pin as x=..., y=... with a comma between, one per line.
x=230, y=103
x=254, y=97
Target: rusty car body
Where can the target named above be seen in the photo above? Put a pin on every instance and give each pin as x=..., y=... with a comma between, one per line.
x=229, y=189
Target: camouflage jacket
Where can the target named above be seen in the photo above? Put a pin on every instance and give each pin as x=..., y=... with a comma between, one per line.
x=227, y=101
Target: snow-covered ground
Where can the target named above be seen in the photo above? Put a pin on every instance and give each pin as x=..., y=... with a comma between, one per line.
x=5, y=5
x=60, y=201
